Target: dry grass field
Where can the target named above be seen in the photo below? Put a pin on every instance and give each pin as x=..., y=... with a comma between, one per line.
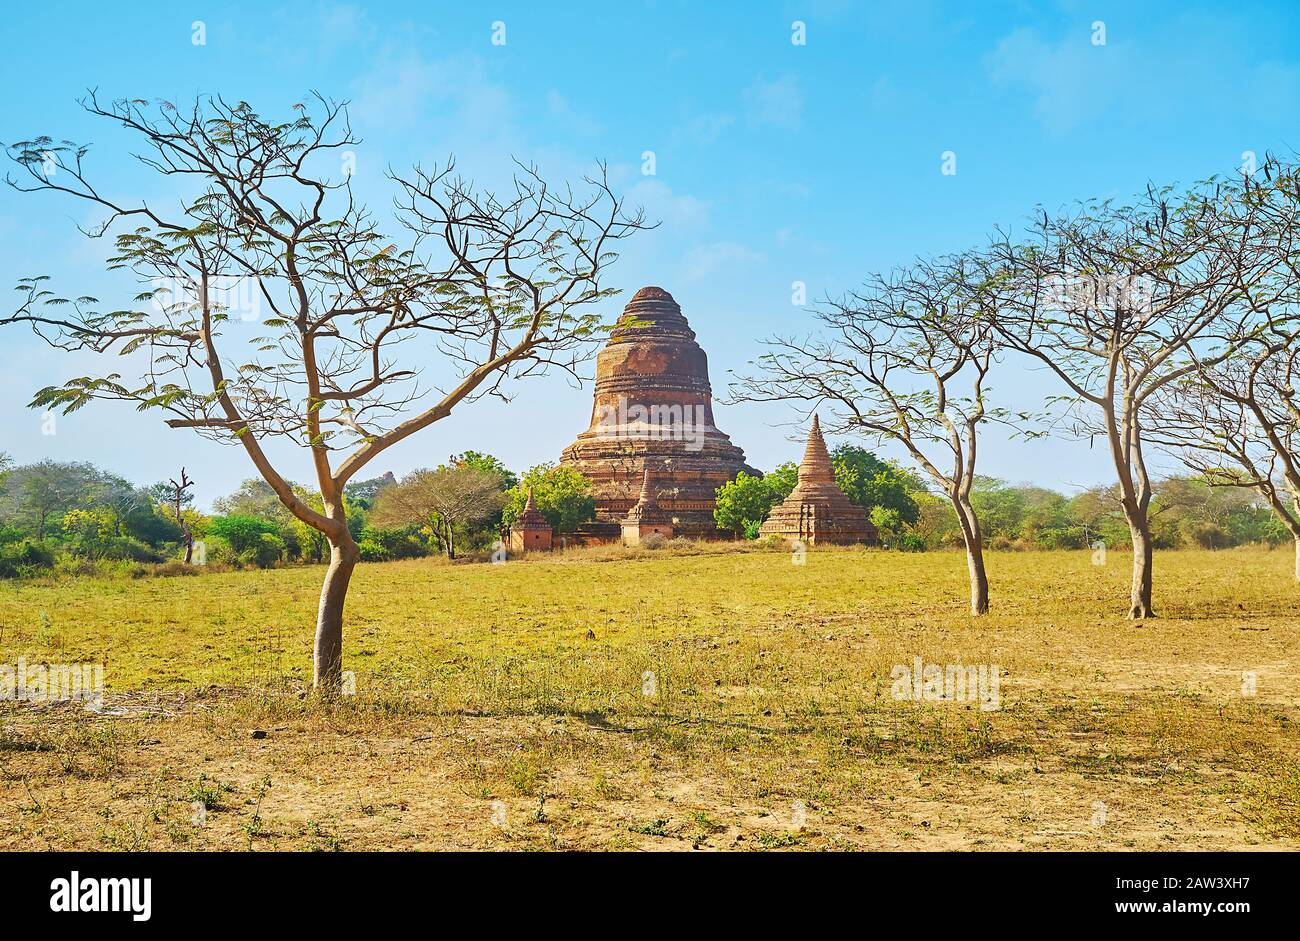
x=708, y=699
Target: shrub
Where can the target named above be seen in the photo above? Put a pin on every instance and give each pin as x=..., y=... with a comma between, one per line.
x=24, y=558
x=654, y=541
x=127, y=549
x=372, y=551
x=1207, y=535
x=395, y=543
x=175, y=567
x=244, y=533
x=219, y=551
x=268, y=550
x=908, y=542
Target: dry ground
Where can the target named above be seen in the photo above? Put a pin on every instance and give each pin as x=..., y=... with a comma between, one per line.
x=507, y=707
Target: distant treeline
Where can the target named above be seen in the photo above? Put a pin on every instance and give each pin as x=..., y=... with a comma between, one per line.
x=1186, y=511
x=77, y=518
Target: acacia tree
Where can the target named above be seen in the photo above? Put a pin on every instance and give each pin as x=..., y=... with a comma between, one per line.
x=498, y=287
x=1115, y=301
x=1237, y=421
x=905, y=359
x=442, y=500
x=1238, y=424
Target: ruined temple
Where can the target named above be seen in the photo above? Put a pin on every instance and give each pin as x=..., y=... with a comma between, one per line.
x=817, y=509
x=653, y=410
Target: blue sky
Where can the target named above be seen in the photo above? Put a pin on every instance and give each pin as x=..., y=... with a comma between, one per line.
x=774, y=162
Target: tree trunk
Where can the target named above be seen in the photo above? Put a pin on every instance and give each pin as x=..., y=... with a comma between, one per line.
x=189, y=546
x=974, y=539
x=1140, y=592
x=328, y=654
x=979, y=580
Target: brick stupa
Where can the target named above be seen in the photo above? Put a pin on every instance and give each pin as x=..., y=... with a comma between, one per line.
x=646, y=518
x=653, y=409
x=531, y=532
x=817, y=509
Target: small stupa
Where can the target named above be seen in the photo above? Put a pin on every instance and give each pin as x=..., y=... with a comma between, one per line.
x=817, y=509
x=530, y=532
x=646, y=519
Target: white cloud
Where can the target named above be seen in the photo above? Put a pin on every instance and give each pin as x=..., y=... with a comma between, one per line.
x=564, y=112
x=663, y=205
x=707, y=128
x=705, y=260
x=1071, y=80
x=778, y=102
x=402, y=90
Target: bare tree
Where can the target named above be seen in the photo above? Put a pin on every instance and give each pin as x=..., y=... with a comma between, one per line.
x=1238, y=424
x=177, y=500
x=1116, y=301
x=903, y=360
x=500, y=287
x=443, y=500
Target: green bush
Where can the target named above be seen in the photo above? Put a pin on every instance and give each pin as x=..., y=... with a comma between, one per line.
x=265, y=552
x=372, y=551
x=395, y=543
x=218, y=550
x=908, y=542
x=127, y=549
x=24, y=558
x=244, y=533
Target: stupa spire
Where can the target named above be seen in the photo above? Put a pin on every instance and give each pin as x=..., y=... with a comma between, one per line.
x=647, y=497
x=816, y=466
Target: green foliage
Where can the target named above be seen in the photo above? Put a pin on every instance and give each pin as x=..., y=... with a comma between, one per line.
x=1001, y=509
x=487, y=462
x=243, y=533
x=782, y=480
x=265, y=552
x=870, y=482
x=393, y=543
x=742, y=505
x=372, y=551
x=563, y=496
x=888, y=523
x=254, y=498
x=150, y=527
x=24, y=558
x=362, y=493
